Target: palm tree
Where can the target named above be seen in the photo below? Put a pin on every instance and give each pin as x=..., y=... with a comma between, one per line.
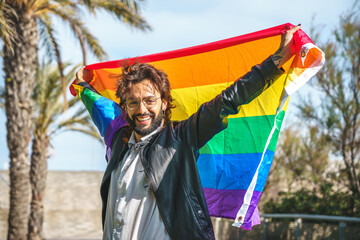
x=47, y=121
x=22, y=24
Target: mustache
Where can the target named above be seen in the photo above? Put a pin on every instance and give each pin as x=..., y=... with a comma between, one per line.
x=144, y=115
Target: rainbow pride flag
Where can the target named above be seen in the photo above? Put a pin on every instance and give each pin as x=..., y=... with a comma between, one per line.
x=234, y=165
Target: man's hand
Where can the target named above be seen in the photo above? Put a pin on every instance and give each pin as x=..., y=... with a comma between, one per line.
x=285, y=51
x=84, y=75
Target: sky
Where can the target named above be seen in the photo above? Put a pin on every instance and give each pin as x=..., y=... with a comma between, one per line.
x=175, y=24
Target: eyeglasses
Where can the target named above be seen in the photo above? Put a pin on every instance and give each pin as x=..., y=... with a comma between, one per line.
x=149, y=102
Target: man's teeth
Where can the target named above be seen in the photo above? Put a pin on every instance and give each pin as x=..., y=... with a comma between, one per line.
x=143, y=118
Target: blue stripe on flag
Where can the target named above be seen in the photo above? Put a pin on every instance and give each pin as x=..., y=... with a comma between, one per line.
x=233, y=171
x=103, y=112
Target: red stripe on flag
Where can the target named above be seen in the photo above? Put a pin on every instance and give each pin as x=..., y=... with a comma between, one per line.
x=274, y=31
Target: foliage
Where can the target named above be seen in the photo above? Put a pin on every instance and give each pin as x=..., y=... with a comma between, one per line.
x=301, y=159
x=49, y=118
x=70, y=12
x=320, y=161
x=22, y=24
x=327, y=201
x=338, y=116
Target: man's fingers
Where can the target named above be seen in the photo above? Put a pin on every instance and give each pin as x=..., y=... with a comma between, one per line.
x=88, y=74
x=286, y=49
x=294, y=29
x=82, y=75
x=80, y=71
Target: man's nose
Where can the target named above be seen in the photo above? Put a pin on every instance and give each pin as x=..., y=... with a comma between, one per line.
x=142, y=108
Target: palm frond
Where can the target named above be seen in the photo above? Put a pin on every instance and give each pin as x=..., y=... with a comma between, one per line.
x=42, y=6
x=132, y=4
x=47, y=94
x=71, y=73
x=36, y=4
x=73, y=101
x=89, y=6
x=56, y=110
x=80, y=120
x=53, y=47
x=80, y=31
x=47, y=81
x=49, y=107
x=47, y=35
x=91, y=42
x=8, y=34
x=78, y=123
x=53, y=93
x=55, y=89
x=125, y=11
x=47, y=7
x=81, y=111
x=91, y=133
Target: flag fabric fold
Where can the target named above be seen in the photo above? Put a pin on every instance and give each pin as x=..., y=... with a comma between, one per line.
x=234, y=165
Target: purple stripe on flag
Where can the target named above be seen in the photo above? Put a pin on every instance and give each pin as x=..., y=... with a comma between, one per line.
x=252, y=216
x=226, y=204
x=113, y=126
x=254, y=220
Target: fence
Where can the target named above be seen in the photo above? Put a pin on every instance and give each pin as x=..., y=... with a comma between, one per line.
x=298, y=219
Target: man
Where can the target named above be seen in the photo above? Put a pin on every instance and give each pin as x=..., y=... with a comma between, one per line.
x=151, y=188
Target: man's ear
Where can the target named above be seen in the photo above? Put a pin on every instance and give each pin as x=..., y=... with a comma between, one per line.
x=164, y=105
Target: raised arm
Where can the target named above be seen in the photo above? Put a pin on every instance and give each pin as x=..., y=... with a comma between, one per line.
x=211, y=117
x=107, y=115
x=286, y=49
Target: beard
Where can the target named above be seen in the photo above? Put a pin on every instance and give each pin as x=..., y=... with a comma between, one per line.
x=155, y=123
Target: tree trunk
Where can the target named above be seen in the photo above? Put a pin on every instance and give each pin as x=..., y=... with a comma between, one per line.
x=38, y=172
x=20, y=74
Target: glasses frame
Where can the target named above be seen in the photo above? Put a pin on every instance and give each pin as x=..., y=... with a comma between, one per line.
x=144, y=102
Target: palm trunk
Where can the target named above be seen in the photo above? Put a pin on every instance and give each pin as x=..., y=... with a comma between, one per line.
x=20, y=71
x=38, y=172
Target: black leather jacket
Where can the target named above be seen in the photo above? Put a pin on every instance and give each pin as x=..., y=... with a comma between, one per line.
x=169, y=160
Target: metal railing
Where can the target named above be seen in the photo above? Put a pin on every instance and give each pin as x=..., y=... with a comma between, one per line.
x=299, y=217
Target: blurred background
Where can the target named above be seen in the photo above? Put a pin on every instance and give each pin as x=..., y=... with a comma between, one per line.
x=316, y=166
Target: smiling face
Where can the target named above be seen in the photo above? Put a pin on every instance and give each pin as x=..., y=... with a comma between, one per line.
x=134, y=73
x=145, y=118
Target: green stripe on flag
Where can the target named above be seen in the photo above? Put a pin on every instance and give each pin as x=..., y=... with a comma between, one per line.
x=252, y=133
x=88, y=97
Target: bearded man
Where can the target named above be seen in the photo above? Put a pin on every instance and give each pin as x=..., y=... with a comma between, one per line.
x=151, y=188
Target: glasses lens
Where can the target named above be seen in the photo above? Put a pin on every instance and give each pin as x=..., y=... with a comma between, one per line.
x=132, y=104
x=150, y=102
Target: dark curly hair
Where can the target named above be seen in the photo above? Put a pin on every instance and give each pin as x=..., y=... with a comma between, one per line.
x=133, y=73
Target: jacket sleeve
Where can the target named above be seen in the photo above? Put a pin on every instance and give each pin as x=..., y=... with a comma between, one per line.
x=211, y=117
x=106, y=114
